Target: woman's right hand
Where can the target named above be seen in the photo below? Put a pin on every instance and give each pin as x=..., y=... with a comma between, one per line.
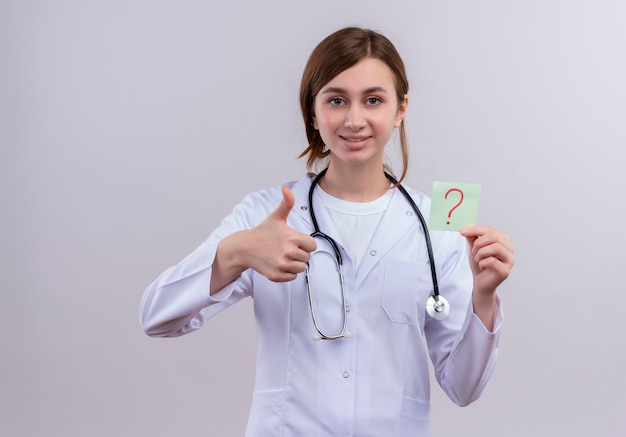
x=272, y=248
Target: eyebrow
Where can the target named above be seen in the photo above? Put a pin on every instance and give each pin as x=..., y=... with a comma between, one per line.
x=337, y=90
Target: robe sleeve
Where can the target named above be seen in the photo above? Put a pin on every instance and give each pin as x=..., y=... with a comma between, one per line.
x=462, y=350
x=178, y=301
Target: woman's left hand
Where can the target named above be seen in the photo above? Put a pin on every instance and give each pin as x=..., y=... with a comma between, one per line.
x=491, y=258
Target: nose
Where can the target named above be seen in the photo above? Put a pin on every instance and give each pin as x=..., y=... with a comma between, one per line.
x=355, y=119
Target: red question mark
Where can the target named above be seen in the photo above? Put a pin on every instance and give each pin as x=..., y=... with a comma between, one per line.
x=455, y=206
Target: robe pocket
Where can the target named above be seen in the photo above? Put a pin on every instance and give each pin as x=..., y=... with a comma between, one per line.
x=266, y=413
x=403, y=287
x=414, y=418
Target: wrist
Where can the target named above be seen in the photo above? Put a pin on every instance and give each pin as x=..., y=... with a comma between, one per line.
x=233, y=250
x=484, y=306
x=229, y=261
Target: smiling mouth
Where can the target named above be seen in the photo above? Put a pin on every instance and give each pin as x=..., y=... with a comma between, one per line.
x=354, y=140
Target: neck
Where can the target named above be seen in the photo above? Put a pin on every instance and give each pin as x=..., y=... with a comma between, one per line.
x=355, y=184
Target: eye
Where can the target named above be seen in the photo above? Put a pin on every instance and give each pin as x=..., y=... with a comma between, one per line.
x=373, y=100
x=336, y=101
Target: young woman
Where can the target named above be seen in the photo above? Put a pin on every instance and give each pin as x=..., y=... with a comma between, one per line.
x=338, y=266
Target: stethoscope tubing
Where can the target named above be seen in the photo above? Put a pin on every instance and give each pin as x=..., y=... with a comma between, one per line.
x=429, y=246
x=437, y=306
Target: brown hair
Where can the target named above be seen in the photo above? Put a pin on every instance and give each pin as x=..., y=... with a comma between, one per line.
x=336, y=53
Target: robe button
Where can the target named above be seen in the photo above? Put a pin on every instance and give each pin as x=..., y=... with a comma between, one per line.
x=373, y=253
x=409, y=213
x=346, y=374
x=304, y=208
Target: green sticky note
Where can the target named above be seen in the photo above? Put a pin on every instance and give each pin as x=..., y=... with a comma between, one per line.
x=453, y=206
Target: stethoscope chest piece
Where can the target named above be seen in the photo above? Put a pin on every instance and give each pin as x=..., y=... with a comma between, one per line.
x=437, y=307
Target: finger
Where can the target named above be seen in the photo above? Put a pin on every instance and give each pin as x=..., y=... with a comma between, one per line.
x=301, y=255
x=307, y=243
x=283, y=210
x=501, y=269
x=279, y=276
x=481, y=236
x=474, y=231
x=295, y=267
x=485, y=233
x=496, y=251
x=495, y=242
x=290, y=268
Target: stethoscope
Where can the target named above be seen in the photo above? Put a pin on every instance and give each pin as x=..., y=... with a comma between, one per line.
x=437, y=306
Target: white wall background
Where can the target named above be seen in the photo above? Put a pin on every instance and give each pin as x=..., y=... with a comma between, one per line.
x=128, y=129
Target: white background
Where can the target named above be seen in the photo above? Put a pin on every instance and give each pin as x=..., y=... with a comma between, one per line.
x=129, y=129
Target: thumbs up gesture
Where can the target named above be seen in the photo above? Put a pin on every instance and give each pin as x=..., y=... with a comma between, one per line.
x=280, y=252
x=272, y=248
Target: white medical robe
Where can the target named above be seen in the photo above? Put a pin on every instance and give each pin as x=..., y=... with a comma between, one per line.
x=373, y=383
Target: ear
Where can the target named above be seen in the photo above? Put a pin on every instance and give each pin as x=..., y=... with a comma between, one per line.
x=314, y=120
x=401, y=111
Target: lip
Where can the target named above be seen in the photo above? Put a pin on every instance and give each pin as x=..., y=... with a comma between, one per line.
x=354, y=141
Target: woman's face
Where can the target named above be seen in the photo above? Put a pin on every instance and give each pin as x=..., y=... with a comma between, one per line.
x=356, y=112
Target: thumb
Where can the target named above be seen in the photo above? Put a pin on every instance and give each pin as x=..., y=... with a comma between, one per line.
x=282, y=212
